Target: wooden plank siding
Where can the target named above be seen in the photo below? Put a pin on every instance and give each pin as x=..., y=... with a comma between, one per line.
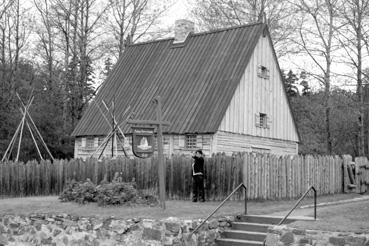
x=256, y=95
x=172, y=144
x=228, y=143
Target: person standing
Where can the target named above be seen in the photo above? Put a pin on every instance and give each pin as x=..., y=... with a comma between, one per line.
x=198, y=175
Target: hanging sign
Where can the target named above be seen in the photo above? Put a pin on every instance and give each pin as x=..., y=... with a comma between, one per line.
x=143, y=141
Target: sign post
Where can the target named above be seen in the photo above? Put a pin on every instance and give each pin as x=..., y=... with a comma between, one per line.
x=161, y=168
x=142, y=143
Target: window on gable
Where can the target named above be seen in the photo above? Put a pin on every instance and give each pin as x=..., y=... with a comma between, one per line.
x=262, y=120
x=190, y=141
x=263, y=72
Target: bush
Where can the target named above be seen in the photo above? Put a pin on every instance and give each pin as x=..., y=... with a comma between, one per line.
x=114, y=193
x=80, y=192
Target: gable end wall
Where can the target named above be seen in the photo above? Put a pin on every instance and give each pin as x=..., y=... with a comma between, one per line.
x=256, y=95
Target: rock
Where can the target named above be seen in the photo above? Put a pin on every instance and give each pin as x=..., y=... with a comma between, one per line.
x=287, y=238
x=272, y=239
x=65, y=240
x=213, y=224
x=46, y=241
x=173, y=227
x=151, y=234
x=2, y=229
x=3, y=240
x=56, y=232
x=304, y=241
x=50, y=220
x=337, y=241
x=355, y=241
x=38, y=225
x=6, y=221
x=119, y=226
x=224, y=224
x=13, y=225
x=298, y=232
x=98, y=226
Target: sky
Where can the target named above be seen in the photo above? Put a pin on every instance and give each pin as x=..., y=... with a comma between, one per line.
x=180, y=9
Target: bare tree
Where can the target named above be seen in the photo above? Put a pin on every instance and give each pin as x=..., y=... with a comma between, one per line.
x=353, y=39
x=213, y=14
x=130, y=21
x=13, y=35
x=316, y=31
x=47, y=35
x=72, y=41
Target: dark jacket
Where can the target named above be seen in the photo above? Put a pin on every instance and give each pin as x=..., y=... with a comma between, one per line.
x=198, y=166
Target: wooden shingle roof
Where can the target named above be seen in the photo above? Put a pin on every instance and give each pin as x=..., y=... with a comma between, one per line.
x=196, y=81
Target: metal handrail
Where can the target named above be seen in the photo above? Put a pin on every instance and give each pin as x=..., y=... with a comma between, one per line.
x=220, y=205
x=298, y=202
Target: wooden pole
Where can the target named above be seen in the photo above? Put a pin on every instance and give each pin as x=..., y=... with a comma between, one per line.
x=34, y=140
x=20, y=137
x=11, y=142
x=26, y=108
x=161, y=166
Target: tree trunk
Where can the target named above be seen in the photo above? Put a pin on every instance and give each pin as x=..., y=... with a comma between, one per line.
x=359, y=89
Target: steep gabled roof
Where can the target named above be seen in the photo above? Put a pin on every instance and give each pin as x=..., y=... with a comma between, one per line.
x=196, y=81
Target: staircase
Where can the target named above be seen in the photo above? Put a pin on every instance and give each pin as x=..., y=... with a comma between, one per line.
x=248, y=230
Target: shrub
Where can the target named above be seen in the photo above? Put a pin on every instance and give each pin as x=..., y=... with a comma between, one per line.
x=114, y=193
x=80, y=192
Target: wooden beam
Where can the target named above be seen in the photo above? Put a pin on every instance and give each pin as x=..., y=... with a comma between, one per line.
x=148, y=122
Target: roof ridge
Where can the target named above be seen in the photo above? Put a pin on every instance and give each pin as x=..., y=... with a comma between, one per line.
x=226, y=29
x=192, y=34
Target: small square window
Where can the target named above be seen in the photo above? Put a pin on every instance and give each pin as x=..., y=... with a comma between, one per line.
x=83, y=142
x=263, y=72
x=191, y=141
x=90, y=142
x=262, y=120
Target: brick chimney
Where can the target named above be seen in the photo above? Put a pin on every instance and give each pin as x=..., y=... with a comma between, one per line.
x=181, y=30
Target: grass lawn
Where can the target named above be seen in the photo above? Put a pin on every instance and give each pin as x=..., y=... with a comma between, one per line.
x=352, y=217
x=180, y=209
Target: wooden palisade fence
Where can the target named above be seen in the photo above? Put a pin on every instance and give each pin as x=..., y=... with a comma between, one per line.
x=266, y=176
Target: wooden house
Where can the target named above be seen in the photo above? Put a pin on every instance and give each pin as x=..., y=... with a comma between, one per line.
x=221, y=90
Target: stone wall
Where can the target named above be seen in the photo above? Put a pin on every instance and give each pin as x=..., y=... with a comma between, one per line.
x=283, y=235
x=63, y=229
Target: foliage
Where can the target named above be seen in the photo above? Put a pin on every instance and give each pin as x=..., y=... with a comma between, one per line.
x=290, y=81
x=309, y=114
x=113, y=193
x=80, y=192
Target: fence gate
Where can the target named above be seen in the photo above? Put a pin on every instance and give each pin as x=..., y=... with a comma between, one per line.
x=356, y=174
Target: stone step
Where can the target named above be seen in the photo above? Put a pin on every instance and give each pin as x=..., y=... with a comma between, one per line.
x=260, y=219
x=244, y=235
x=236, y=242
x=246, y=226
